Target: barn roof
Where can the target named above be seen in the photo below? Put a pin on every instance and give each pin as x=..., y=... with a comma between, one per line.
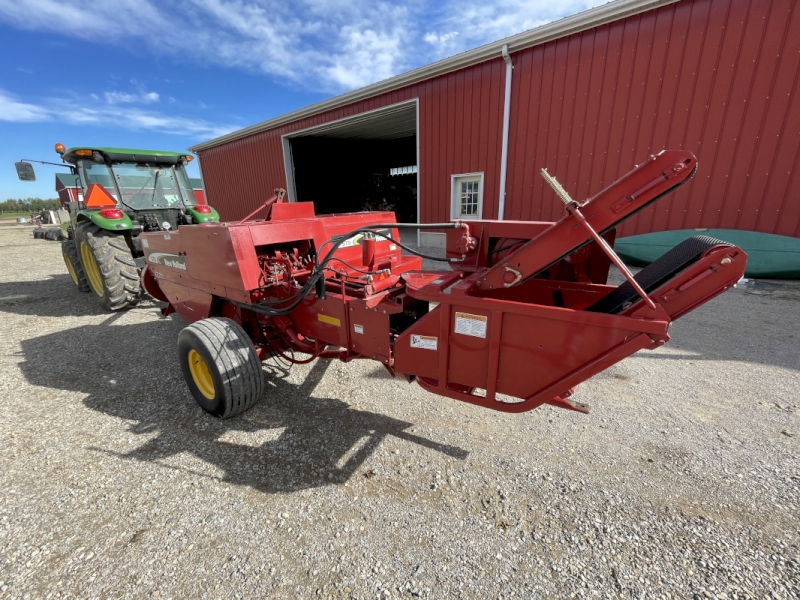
x=594, y=17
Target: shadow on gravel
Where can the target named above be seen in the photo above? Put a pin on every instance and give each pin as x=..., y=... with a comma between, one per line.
x=712, y=336
x=288, y=441
x=53, y=297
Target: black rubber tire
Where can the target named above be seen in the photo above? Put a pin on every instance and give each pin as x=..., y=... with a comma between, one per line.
x=118, y=273
x=70, y=252
x=231, y=360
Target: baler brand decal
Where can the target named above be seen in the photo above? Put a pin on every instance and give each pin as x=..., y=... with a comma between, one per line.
x=356, y=239
x=426, y=342
x=329, y=320
x=175, y=261
x=474, y=325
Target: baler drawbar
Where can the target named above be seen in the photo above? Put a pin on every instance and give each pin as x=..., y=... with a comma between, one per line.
x=521, y=317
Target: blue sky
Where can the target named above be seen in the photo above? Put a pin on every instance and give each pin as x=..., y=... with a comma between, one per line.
x=166, y=75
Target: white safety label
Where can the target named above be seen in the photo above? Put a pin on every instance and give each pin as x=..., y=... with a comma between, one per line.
x=358, y=328
x=426, y=342
x=474, y=325
x=144, y=242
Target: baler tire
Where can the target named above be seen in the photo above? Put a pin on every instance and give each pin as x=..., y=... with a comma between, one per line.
x=69, y=251
x=114, y=271
x=220, y=366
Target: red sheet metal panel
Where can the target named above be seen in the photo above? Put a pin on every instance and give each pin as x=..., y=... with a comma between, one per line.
x=716, y=77
x=719, y=78
x=460, y=118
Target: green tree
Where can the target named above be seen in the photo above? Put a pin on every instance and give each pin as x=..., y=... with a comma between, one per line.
x=29, y=205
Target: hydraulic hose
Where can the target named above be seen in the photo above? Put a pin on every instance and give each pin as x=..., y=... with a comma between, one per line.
x=267, y=308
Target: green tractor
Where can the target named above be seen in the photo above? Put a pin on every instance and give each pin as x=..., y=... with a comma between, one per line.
x=126, y=192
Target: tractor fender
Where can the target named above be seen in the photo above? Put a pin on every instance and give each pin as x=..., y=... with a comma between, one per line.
x=123, y=224
x=198, y=217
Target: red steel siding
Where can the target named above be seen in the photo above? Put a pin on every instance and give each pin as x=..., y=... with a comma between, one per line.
x=460, y=123
x=717, y=77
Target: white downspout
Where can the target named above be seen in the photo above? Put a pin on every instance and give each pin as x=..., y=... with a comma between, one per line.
x=501, y=205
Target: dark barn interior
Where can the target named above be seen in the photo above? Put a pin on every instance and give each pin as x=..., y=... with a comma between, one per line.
x=347, y=167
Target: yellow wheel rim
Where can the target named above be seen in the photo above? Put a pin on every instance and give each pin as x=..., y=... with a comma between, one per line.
x=71, y=269
x=200, y=375
x=92, y=270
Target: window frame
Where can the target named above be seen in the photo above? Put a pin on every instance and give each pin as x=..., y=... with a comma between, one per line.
x=455, y=195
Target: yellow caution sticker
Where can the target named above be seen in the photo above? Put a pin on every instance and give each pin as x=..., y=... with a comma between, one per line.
x=329, y=320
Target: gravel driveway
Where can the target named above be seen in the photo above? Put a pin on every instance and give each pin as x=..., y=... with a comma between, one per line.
x=683, y=482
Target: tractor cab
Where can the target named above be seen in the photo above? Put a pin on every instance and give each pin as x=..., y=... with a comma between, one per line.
x=150, y=188
x=125, y=192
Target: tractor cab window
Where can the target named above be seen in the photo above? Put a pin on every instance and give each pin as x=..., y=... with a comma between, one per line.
x=149, y=185
x=186, y=186
x=99, y=173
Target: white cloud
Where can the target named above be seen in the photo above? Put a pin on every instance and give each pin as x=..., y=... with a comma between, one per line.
x=128, y=98
x=439, y=39
x=106, y=115
x=324, y=45
x=15, y=111
x=479, y=22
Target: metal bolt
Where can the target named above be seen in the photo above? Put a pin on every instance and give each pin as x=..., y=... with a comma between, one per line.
x=374, y=356
x=384, y=310
x=354, y=345
x=351, y=308
x=376, y=309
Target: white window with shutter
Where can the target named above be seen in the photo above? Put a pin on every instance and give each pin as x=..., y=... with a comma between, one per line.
x=467, y=196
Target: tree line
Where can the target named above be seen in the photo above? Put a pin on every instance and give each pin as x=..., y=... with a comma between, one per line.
x=29, y=205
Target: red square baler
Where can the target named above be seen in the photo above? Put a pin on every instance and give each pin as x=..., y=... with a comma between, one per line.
x=522, y=316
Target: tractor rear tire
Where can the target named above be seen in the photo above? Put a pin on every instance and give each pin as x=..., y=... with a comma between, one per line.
x=220, y=366
x=109, y=266
x=69, y=251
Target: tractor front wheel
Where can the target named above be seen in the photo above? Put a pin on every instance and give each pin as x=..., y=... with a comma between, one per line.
x=109, y=266
x=220, y=366
x=73, y=261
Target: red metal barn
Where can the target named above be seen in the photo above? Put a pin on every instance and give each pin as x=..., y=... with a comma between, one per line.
x=587, y=97
x=68, y=188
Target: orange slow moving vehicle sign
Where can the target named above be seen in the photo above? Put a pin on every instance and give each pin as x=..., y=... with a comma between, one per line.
x=97, y=197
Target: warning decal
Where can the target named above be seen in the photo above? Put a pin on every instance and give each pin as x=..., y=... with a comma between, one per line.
x=426, y=342
x=358, y=328
x=474, y=325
